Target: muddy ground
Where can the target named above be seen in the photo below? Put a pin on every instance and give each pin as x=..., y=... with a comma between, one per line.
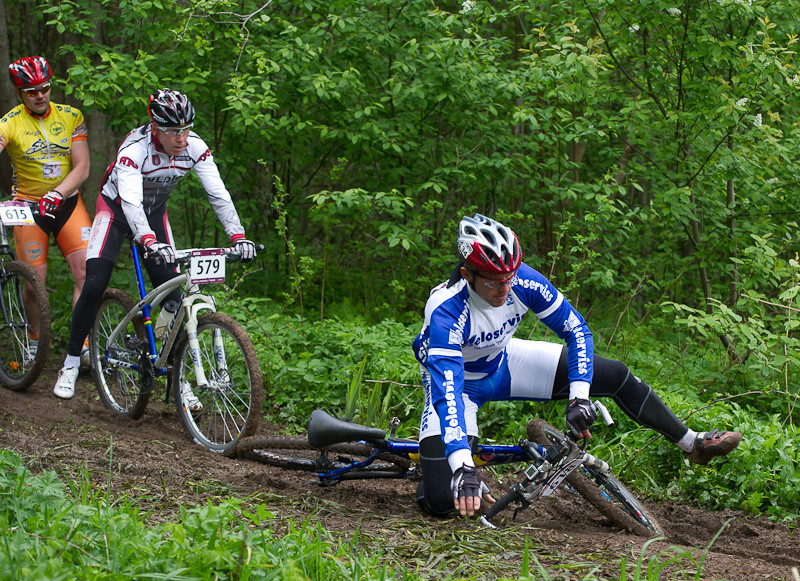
x=154, y=460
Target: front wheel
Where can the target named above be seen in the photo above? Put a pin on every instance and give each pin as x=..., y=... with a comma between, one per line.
x=121, y=367
x=225, y=405
x=21, y=357
x=601, y=489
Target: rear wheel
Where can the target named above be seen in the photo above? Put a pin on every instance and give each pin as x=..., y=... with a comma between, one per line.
x=295, y=453
x=225, y=405
x=121, y=367
x=601, y=489
x=21, y=358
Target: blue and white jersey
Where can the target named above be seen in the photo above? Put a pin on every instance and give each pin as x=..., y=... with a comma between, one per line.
x=464, y=337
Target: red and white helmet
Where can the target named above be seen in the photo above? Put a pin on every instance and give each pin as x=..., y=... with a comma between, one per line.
x=30, y=70
x=488, y=246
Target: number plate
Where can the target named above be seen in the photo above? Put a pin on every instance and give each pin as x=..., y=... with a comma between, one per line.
x=206, y=266
x=15, y=213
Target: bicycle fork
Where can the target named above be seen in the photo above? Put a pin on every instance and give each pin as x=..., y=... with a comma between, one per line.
x=220, y=360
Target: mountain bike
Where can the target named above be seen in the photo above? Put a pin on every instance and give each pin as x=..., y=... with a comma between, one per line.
x=336, y=450
x=210, y=364
x=23, y=306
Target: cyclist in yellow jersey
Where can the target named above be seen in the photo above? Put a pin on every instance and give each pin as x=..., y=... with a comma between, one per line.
x=49, y=151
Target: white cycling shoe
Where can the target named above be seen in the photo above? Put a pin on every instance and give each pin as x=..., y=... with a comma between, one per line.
x=65, y=386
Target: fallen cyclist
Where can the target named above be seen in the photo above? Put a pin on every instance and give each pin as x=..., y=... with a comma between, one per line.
x=468, y=356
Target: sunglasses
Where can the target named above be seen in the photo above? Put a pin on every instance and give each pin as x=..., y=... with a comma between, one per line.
x=495, y=283
x=32, y=91
x=175, y=131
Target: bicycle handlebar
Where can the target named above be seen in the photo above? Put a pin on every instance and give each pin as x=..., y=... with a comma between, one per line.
x=185, y=255
x=502, y=504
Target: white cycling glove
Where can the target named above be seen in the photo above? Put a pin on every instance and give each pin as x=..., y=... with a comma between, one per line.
x=161, y=252
x=246, y=248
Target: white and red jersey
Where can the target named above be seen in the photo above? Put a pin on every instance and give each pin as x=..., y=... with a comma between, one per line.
x=142, y=176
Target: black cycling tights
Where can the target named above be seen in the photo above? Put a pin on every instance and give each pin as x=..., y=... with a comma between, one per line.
x=611, y=379
x=98, y=274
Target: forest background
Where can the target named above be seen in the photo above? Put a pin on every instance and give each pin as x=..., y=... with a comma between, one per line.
x=642, y=151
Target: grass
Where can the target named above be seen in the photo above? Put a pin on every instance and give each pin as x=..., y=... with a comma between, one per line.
x=76, y=529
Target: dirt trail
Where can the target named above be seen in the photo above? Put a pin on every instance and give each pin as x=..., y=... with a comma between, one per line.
x=153, y=459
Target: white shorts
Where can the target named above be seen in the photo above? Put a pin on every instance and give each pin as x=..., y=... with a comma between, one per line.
x=527, y=373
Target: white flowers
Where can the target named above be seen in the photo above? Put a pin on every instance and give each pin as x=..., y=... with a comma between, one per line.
x=742, y=102
x=757, y=122
x=633, y=28
x=674, y=11
x=467, y=6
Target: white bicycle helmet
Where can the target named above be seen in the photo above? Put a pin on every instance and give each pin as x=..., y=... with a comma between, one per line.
x=488, y=246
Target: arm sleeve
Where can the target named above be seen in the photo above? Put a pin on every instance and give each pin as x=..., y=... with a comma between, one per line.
x=445, y=363
x=131, y=194
x=555, y=311
x=218, y=195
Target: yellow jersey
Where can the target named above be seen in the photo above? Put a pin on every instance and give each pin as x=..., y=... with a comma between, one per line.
x=41, y=147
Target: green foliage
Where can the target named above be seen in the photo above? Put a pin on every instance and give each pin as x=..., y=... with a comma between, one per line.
x=48, y=535
x=644, y=153
x=362, y=371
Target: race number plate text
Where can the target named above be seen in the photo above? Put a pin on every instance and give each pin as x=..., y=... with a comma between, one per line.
x=207, y=266
x=13, y=213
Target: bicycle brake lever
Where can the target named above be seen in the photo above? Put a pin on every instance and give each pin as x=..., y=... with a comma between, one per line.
x=603, y=411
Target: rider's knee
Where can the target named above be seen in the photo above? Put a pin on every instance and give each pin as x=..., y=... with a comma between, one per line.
x=438, y=505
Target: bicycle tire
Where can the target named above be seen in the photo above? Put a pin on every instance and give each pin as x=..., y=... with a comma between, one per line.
x=600, y=489
x=295, y=453
x=125, y=391
x=233, y=398
x=18, y=372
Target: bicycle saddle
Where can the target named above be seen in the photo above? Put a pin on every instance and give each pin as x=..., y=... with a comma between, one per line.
x=326, y=430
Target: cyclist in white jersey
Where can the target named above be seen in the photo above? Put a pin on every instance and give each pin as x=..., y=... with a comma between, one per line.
x=468, y=356
x=133, y=200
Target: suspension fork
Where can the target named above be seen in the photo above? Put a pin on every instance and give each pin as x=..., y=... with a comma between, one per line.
x=194, y=303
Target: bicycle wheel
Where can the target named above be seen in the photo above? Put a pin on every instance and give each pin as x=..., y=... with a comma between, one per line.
x=20, y=362
x=295, y=453
x=228, y=405
x=121, y=368
x=601, y=489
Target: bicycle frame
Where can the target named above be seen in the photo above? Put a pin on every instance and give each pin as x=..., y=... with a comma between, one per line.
x=325, y=430
x=192, y=303
x=5, y=251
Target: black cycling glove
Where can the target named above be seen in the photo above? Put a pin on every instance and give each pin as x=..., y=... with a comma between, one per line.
x=580, y=415
x=466, y=483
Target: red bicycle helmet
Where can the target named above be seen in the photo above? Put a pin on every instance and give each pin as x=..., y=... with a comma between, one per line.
x=30, y=70
x=488, y=246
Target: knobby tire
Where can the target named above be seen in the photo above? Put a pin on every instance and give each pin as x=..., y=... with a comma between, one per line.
x=124, y=391
x=295, y=453
x=233, y=399
x=600, y=489
x=16, y=371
